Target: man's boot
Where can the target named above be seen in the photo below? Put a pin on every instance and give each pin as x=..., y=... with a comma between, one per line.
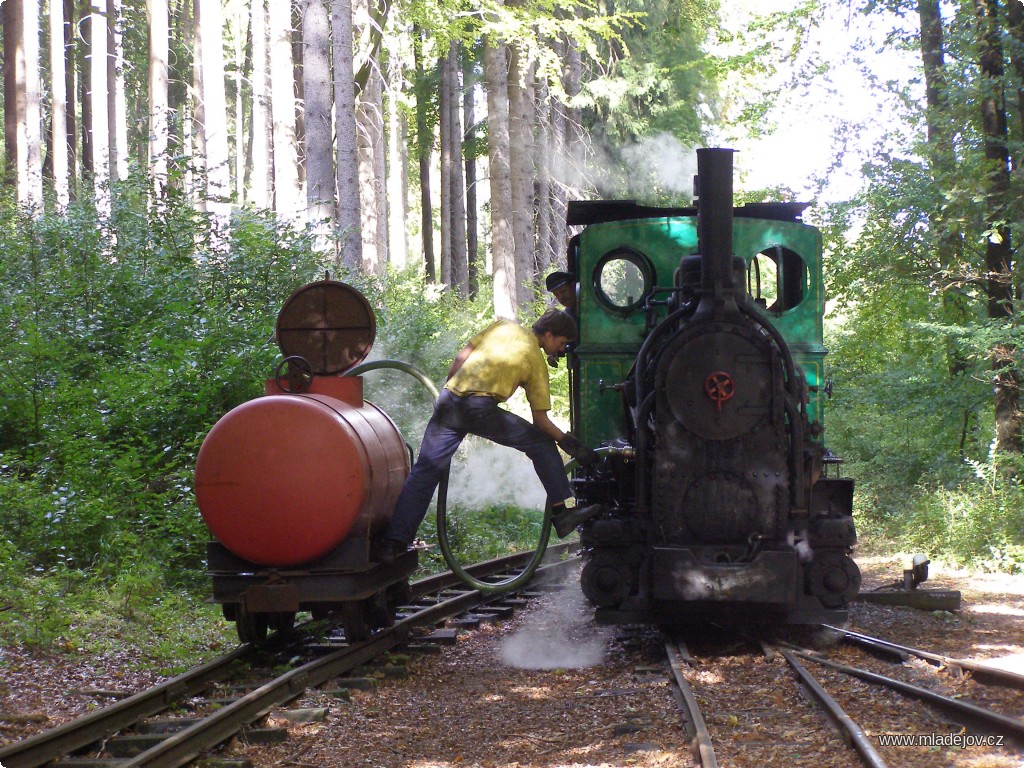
x=566, y=520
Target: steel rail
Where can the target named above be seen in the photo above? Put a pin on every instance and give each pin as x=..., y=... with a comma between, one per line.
x=63, y=739
x=696, y=726
x=853, y=734
x=992, y=674
x=1003, y=724
x=75, y=734
x=187, y=744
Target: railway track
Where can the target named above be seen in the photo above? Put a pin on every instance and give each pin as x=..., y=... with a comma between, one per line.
x=127, y=728
x=713, y=720
x=731, y=720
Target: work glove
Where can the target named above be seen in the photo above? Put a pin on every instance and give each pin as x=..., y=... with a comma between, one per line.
x=584, y=456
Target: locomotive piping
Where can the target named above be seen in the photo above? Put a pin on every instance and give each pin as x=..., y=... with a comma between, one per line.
x=642, y=491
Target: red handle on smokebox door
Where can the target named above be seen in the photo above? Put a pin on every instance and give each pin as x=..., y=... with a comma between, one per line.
x=719, y=386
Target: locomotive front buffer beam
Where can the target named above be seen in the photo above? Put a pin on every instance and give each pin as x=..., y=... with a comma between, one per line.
x=769, y=587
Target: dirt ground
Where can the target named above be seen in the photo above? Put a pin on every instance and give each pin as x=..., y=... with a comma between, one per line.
x=549, y=689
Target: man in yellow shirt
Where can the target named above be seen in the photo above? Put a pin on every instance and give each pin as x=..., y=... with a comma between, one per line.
x=486, y=372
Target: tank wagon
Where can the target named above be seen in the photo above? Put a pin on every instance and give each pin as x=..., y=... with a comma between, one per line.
x=295, y=485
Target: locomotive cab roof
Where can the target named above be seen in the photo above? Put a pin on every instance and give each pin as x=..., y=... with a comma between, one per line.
x=586, y=212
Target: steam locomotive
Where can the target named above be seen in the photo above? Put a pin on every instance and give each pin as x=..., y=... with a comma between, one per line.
x=699, y=373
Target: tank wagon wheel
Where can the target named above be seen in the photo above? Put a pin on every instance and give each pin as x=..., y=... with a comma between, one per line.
x=282, y=621
x=378, y=610
x=353, y=619
x=251, y=627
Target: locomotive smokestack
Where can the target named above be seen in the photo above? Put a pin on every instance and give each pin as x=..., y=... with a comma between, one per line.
x=714, y=225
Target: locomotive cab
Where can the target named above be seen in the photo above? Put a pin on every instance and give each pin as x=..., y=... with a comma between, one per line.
x=706, y=322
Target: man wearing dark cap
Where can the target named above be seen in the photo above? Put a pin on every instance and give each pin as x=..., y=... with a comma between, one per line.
x=563, y=286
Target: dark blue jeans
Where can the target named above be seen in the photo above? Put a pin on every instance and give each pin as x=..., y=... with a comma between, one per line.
x=455, y=417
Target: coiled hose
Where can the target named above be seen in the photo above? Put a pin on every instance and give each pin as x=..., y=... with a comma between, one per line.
x=487, y=587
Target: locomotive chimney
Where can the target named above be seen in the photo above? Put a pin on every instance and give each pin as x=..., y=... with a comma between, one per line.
x=714, y=227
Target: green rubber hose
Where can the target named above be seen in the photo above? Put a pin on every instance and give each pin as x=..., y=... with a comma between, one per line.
x=487, y=587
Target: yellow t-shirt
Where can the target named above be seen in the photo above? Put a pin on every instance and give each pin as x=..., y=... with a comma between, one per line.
x=505, y=356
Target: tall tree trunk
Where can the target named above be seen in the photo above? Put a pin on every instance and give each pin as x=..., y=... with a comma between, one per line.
x=502, y=244
x=469, y=87
x=998, y=252
x=456, y=182
x=260, y=162
x=300, y=99
x=372, y=180
x=117, y=106
x=424, y=145
x=71, y=90
x=574, y=145
x=316, y=67
x=159, y=96
x=446, y=152
x=12, y=44
x=544, y=185
x=98, y=130
x=242, y=35
x=59, y=107
x=349, y=208
x=521, y=149
x=941, y=163
x=398, y=158
x=559, y=122
x=210, y=20
x=282, y=85
x=28, y=108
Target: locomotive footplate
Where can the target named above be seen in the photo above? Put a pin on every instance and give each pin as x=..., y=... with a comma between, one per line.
x=769, y=579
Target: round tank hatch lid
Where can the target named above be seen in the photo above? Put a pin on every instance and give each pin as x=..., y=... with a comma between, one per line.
x=328, y=323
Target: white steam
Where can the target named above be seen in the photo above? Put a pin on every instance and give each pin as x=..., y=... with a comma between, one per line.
x=654, y=166
x=562, y=637
x=487, y=474
x=672, y=165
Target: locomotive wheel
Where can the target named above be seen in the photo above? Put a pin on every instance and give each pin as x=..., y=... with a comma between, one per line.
x=251, y=627
x=353, y=619
x=833, y=578
x=607, y=579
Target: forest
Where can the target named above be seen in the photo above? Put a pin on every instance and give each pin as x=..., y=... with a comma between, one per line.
x=174, y=169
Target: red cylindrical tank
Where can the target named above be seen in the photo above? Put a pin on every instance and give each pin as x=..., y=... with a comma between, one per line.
x=283, y=479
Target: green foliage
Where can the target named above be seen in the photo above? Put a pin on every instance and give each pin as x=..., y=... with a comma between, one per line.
x=76, y=612
x=482, y=534
x=976, y=524
x=125, y=340
x=652, y=79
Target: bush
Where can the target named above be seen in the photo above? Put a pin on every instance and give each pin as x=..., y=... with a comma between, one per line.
x=125, y=341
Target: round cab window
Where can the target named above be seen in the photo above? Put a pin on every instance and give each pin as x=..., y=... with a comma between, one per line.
x=622, y=280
